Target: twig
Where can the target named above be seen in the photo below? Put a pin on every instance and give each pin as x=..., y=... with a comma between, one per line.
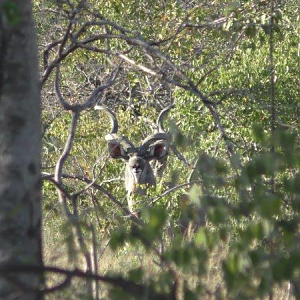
x=181, y=157
x=173, y=189
x=138, y=66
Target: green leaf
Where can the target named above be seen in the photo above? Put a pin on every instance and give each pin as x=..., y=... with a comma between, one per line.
x=118, y=238
x=136, y=275
x=155, y=218
x=200, y=237
x=270, y=206
x=195, y=194
x=218, y=214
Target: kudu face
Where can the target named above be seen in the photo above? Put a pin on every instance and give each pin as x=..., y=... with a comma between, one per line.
x=138, y=169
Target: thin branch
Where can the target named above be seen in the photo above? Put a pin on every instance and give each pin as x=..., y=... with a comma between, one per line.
x=55, y=63
x=95, y=263
x=217, y=145
x=47, y=51
x=126, y=285
x=91, y=101
x=67, y=149
x=72, y=218
x=211, y=24
x=85, y=188
x=272, y=83
x=66, y=282
x=181, y=157
x=227, y=93
x=59, y=96
x=214, y=112
x=93, y=49
x=173, y=189
x=138, y=66
x=107, y=22
x=66, y=35
x=60, y=187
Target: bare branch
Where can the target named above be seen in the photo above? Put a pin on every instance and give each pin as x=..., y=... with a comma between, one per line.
x=173, y=189
x=181, y=157
x=59, y=96
x=138, y=66
x=47, y=51
x=66, y=282
x=66, y=35
x=75, y=195
x=89, y=102
x=126, y=285
x=67, y=149
x=56, y=62
x=92, y=48
x=211, y=24
x=94, y=263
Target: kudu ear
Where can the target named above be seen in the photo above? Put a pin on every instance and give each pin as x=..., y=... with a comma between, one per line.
x=119, y=147
x=159, y=150
x=115, y=149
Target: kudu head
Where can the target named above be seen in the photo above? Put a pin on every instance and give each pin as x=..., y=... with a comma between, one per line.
x=138, y=169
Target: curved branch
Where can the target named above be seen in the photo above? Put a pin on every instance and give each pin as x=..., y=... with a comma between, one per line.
x=59, y=96
x=67, y=149
x=67, y=281
x=127, y=285
x=91, y=100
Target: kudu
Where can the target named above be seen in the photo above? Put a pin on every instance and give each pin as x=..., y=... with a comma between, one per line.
x=138, y=169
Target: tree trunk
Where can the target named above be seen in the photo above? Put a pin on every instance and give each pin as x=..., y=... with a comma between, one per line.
x=20, y=148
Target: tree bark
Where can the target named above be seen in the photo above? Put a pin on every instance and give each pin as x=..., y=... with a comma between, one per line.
x=20, y=148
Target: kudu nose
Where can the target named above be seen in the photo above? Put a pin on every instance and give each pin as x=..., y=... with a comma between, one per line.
x=136, y=166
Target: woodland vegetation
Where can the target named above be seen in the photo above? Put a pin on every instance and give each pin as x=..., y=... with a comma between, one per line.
x=223, y=221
